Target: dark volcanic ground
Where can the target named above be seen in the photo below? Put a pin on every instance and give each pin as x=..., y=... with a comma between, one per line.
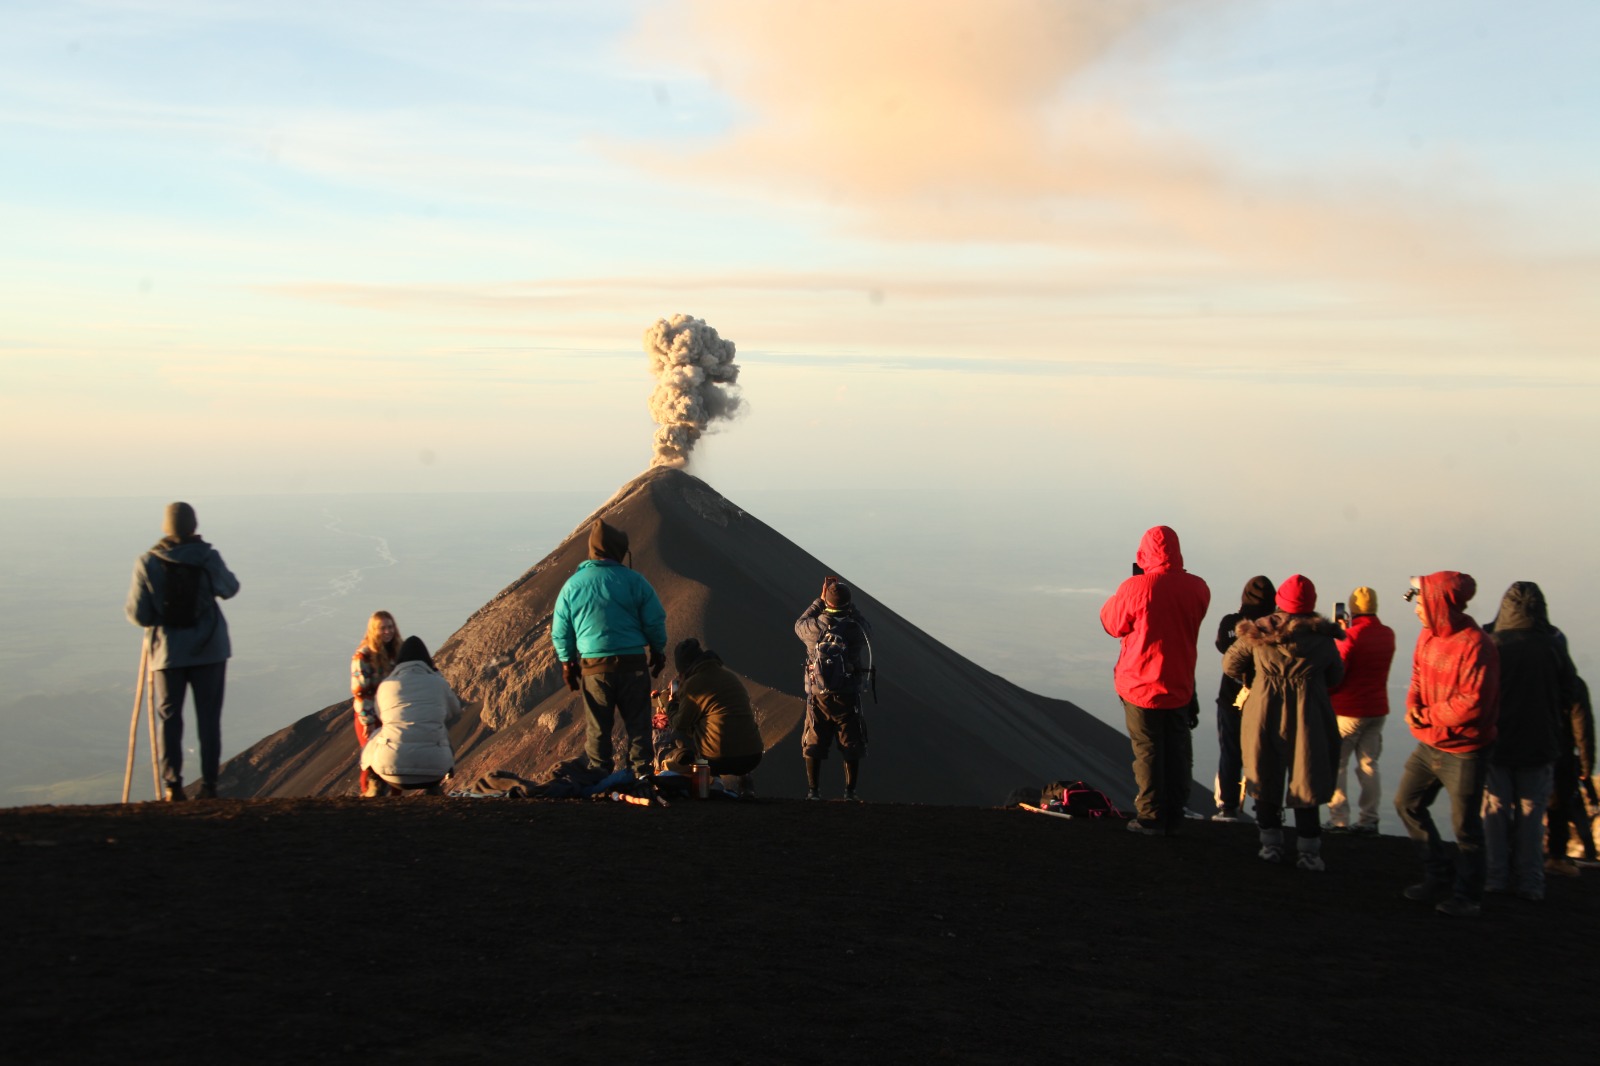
x=465, y=931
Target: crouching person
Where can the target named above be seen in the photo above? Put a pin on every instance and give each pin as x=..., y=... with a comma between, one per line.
x=710, y=708
x=411, y=749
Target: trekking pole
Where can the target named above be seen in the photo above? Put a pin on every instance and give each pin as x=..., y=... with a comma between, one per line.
x=133, y=723
x=150, y=706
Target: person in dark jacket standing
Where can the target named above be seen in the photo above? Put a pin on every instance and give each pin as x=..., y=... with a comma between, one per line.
x=606, y=618
x=1537, y=688
x=1289, y=728
x=1156, y=614
x=835, y=635
x=1361, y=701
x=1256, y=602
x=176, y=585
x=1453, y=709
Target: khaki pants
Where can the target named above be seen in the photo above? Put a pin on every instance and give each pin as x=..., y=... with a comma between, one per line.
x=1363, y=738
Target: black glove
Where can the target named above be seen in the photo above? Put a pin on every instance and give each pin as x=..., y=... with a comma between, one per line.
x=572, y=674
x=1194, y=716
x=658, y=662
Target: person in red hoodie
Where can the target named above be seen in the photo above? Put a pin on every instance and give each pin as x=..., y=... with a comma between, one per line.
x=1156, y=614
x=1361, y=701
x=1453, y=707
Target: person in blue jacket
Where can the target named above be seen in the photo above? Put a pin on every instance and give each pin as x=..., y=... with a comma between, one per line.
x=607, y=619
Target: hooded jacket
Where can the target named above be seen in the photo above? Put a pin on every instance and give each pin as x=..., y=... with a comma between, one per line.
x=713, y=707
x=1538, y=685
x=1453, y=703
x=1256, y=601
x=607, y=609
x=415, y=705
x=1157, y=616
x=207, y=640
x=1367, y=647
x=1288, y=725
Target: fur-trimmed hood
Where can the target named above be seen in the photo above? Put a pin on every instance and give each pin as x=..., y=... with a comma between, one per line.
x=1281, y=628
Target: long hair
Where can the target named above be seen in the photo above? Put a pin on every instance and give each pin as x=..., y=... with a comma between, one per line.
x=383, y=655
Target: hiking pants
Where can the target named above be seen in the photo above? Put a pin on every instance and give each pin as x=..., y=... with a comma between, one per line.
x=1228, y=789
x=831, y=719
x=1567, y=808
x=618, y=693
x=1363, y=738
x=1163, y=758
x=1514, y=798
x=362, y=736
x=1428, y=772
x=207, y=681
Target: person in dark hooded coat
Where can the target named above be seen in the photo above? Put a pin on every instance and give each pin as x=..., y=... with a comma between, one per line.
x=1537, y=688
x=1289, y=729
x=1256, y=602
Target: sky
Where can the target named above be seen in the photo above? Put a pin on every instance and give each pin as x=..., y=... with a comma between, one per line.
x=1279, y=261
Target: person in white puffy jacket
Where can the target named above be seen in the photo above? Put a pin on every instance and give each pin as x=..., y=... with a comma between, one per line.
x=411, y=749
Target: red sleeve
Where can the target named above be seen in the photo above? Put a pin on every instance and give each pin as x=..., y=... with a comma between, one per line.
x=1117, y=615
x=1477, y=688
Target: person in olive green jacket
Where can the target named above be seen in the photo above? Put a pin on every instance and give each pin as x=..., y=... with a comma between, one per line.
x=710, y=708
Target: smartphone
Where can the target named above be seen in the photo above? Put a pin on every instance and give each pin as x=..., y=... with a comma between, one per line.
x=1340, y=615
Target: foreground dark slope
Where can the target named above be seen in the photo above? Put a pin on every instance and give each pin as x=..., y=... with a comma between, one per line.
x=946, y=730
x=494, y=931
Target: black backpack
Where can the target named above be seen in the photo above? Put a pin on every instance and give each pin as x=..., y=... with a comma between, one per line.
x=182, y=594
x=833, y=670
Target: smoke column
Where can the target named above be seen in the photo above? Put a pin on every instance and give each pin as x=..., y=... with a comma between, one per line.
x=695, y=372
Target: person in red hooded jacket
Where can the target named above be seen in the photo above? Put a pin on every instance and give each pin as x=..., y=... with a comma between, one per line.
x=1156, y=614
x=1453, y=707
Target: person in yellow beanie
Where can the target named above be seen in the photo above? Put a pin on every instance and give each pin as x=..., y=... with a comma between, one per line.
x=1362, y=703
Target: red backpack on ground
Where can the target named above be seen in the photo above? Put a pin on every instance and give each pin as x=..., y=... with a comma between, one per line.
x=1079, y=800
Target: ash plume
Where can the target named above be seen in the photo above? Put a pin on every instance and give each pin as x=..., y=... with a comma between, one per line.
x=695, y=374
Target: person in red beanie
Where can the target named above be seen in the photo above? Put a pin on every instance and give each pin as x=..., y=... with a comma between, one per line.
x=1361, y=701
x=1156, y=614
x=1289, y=660
x=1453, y=708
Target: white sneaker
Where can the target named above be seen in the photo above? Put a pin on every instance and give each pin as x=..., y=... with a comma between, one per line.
x=1307, y=861
x=1270, y=853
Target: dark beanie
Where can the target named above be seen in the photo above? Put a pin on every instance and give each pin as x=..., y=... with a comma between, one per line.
x=179, y=521
x=607, y=541
x=412, y=650
x=685, y=654
x=1297, y=596
x=1259, y=598
x=836, y=594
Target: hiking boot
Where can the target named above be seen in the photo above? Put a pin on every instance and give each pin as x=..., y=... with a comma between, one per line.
x=1456, y=907
x=1271, y=846
x=1142, y=828
x=175, y=794
x=208, y=791
x=850, y=796
x=1561, y=867
x=1227, y=816
x=1336, y=827
x=1309, y=854
x=1423, y=891
x=813, y=793
x=1362, y=830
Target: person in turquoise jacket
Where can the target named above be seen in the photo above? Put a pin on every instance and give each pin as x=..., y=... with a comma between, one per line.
x=607, y=619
